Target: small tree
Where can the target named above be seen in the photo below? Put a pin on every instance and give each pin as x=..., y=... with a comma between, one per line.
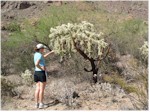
x=82, y=38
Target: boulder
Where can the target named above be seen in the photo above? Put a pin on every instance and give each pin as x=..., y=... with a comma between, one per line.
x=24, y=5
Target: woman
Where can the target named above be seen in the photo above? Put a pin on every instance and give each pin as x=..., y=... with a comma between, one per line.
x=40, y=74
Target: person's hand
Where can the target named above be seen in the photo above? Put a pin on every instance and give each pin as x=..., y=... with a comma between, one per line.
x=43, y=68
x=52, y=51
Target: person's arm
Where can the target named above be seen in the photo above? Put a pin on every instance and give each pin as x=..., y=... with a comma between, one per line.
x=37, y=65
x=48, y=53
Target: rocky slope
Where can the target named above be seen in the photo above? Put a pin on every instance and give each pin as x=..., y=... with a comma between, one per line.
x=19, y=11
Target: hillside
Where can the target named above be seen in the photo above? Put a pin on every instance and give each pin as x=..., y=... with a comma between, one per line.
x=122, y=78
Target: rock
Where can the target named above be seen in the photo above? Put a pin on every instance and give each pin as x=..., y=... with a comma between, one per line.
x=10, y=16
x=2, y=3
x=114, y=100
x=75, y=95
x=48, y=1
x=9, y=5
x=24, y=5
x=124, y=96
x=3, y=27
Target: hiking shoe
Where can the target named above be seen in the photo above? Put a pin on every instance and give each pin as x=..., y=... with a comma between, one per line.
x=37, y=105
x=41, y=106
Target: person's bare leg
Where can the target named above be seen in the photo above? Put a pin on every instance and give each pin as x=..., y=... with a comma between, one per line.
x=37, y=91
x=41, y=93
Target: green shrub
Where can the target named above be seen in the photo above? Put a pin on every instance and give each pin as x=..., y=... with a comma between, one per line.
x=115, y=79
x=130, y=89
x=13, y=26
x=108, y=79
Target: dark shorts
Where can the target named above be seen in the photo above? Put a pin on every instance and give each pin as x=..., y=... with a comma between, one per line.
x=39, y=76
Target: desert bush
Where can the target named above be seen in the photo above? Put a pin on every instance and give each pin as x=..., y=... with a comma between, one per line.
x=103, y=90
x=140, y=98
x=13, y=26
x=7, y=87
x=27, y=77
x=140, y=101
x=115, y=79
x=63, y=91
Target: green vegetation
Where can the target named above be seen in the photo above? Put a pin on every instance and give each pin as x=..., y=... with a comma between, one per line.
x=115, y=79
x=13, y=27
x=126, y=34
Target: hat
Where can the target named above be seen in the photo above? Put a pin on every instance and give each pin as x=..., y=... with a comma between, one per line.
x=39, y=46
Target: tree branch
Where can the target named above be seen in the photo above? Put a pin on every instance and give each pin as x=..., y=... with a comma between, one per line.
x=85, y=57
x=88, y=70
x=80, y=51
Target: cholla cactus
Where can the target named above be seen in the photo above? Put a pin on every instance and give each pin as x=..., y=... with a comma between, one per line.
x=144, y=50
x=62, y=39
x=27, y=77
x=69, y=38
